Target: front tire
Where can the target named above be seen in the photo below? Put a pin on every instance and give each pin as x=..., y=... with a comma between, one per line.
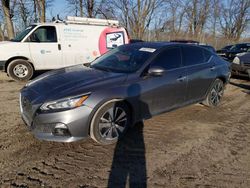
x=110, y=122
x=215, y=94
x=20, y=70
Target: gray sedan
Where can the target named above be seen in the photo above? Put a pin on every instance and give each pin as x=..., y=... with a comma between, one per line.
x=126, y=85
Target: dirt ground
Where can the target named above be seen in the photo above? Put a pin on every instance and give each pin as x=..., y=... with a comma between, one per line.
x=194, y=146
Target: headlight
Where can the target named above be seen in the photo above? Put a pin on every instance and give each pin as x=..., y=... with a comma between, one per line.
x=236, y=60
x=241, y=54
x=67, y=103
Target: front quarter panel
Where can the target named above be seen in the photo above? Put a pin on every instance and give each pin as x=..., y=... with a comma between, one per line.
x=123, y=92
x=13, y=49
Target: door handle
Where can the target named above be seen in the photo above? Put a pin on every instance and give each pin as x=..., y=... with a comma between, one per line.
x=181, y=79
x=59, y=47
x=212, y=68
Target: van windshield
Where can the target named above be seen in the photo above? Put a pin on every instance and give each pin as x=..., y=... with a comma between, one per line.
x=22, y=34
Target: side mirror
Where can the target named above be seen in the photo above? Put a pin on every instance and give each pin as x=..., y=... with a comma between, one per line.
x=156, y=71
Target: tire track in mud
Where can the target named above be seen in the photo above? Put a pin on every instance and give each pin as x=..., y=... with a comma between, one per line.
x=191, y=147
x=220, y=161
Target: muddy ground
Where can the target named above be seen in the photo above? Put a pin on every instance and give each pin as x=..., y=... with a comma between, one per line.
x=194, y=146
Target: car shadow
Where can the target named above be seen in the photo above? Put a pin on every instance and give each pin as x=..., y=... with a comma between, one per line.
x=242, y=86
x=129, y=163
x=247, y=78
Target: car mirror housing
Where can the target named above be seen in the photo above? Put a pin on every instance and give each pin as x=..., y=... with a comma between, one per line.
x=156, y=71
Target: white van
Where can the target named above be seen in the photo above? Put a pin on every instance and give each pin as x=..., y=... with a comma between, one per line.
x=46, y=46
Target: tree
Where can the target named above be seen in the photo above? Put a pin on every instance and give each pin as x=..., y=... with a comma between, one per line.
x=23, y=12
x=1, y=23
x=41, y=8
x=215, y=13
x=81, y=8
x=88, y=8
x=197, y=15
x=8, y=16
x=136, y=15
x=234, y=18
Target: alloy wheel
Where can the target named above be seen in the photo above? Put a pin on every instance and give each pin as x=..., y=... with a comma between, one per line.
x=217, y=93
x=113, y=123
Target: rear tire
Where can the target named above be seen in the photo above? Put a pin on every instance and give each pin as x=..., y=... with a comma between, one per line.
x=215, y=94
x=20, y=70
x=110, y=122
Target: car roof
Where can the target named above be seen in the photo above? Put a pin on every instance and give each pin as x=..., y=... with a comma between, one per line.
x=157, y=45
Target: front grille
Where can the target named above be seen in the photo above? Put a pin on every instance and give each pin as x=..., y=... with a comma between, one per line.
x=44, y=128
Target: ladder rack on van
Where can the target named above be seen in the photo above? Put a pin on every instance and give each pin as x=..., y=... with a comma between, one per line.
x=91, y=21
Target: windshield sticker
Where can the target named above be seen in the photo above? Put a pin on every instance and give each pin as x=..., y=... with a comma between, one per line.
x=147, y=50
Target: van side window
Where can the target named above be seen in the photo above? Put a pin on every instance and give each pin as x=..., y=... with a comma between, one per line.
x=193, y=55
x=169, y=58
x=43, y=34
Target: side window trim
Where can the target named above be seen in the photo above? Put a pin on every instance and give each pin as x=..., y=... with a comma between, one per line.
x=169, y=48
x=205, y=62
x=211, y=55
x=38, y=27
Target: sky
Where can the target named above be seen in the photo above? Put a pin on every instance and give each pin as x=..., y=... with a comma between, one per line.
x=59, y=7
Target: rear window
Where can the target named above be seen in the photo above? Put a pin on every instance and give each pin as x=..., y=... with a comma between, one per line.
x=193, y=55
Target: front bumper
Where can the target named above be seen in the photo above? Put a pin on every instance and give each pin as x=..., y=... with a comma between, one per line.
x=2, y=65
x=42, y=125
x=240, y=69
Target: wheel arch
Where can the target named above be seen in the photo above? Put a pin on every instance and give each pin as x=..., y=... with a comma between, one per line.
x=222, y=78
x=118, y=99
x=17, y=57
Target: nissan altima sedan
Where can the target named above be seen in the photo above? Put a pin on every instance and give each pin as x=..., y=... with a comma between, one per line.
x=128, y=84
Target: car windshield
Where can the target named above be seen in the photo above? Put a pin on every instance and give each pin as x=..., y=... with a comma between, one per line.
x=238, y=47
x=125, y=59
x=22, y=34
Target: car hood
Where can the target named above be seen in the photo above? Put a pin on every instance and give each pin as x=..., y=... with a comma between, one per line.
x=70, y=81
x=245, y=58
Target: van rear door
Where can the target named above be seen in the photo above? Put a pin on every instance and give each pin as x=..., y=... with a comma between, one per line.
x=45, y=49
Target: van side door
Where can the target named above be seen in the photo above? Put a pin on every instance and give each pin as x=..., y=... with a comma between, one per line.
x=45, y=48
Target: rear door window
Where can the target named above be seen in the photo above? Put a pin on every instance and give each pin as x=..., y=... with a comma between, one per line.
x=169, y=58
x=193, y=55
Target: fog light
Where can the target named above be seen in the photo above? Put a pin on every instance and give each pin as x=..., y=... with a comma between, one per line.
x=61, y=130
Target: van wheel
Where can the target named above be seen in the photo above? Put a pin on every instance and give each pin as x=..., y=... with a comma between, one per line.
x=20, y=70
x=110, y=122
x=215, y=94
